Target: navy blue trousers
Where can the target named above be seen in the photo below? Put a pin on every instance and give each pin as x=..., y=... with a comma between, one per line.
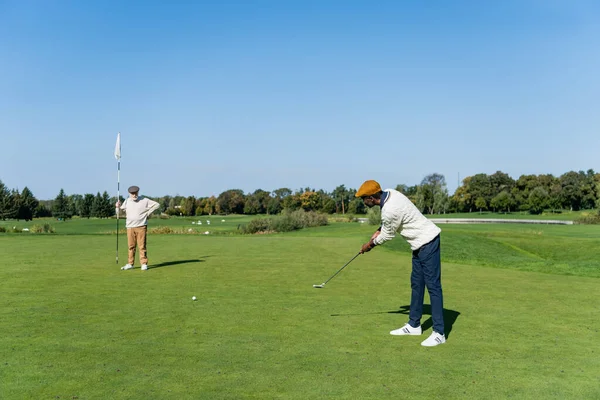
x=427, y=272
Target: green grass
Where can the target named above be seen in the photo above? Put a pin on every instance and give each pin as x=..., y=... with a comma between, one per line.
x=564, y=215
x=567, y=250
x=75, y=326
x=79, y=226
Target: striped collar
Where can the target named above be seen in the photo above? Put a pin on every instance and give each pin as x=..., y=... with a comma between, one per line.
x=384, y=197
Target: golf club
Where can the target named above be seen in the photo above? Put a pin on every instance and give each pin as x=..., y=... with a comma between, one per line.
x=339, y=270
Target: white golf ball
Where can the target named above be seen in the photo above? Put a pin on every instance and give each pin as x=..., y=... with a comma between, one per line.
x=194, y=298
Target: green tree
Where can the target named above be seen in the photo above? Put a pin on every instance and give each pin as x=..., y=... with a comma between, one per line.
x=60, y=207
x=328, y=205
x=8, y=205
x=588, y=189
x=500, y=182
x=96, y=210
x=263, y=198
x=597, y=186
x=256, y=203
x=274, y=206
x=252, y=205
x=42, y=211
x=164, y=203
x=75, y=201
x=408, y=191
x=481, y=204
x=432, y=194
x=86, y=205
x=342, y=197
x=27, y=205
x=356, y=206
x=310, y=201
x=282, y=193
x=291, y=202
x=538, y=200
x=188, y=206
x=462, y=198
x=210, y=206
x=231, y=202
x=571, y=190
x=479, y=186
x=503, y=201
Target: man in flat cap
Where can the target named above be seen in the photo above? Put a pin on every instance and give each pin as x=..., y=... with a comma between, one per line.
x=398, y=213
x=138, y=208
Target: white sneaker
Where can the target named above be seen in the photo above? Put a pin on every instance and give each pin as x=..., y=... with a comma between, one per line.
x=433, y=340
x=144, y=267
x=407, y=330
x=127, y=266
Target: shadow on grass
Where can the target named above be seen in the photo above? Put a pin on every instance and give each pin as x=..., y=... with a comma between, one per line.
x=450, y=316
x=177, y=262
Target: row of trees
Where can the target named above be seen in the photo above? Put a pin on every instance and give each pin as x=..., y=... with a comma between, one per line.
x=533, y=193
x=497, y=192
x=24, y=205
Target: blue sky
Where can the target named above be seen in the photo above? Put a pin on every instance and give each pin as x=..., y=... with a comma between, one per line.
x=210, y=96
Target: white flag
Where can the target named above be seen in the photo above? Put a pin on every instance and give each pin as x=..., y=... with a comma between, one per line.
x=118, y=147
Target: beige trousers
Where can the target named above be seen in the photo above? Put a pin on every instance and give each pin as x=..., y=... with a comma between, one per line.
x=137, y=236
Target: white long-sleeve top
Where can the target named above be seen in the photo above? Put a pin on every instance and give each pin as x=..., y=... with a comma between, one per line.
x=400, y=214
x=138, y=211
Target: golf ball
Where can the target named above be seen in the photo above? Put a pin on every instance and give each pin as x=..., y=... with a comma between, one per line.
x=194, y=298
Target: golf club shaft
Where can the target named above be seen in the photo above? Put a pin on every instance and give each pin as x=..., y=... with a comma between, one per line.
x=340, y=270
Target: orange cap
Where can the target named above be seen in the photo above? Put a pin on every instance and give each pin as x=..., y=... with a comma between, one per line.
x=368, y=188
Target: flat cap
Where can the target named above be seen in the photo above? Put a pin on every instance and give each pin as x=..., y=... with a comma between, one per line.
x=369, y=188
x=133, y=189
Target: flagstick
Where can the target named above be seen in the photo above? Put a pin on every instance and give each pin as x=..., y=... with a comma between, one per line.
x=118, y=157
x=118, y=200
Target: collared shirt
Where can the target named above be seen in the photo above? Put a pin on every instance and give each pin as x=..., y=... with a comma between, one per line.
x=138, y=211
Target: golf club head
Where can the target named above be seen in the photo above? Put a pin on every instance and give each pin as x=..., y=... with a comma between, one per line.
x=322, y=285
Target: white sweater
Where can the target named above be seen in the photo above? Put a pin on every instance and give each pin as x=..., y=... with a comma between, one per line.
x=138, y=211
x=399, y=213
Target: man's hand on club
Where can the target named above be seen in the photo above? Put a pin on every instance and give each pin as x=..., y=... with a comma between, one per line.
x=367, y=247
x=118, y=204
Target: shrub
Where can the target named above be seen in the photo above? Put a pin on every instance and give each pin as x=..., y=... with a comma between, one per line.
x=166, y=230
x=2, y=229
x=288, y=221
x=589, y=218
x=374, y=215
x=285, y=223
x=258, y=225
x=45, y=228
x=161, y=230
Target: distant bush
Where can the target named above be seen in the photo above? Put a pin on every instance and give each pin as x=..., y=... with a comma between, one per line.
x=258, y=225
x=45, y=228
x=161, y=230
x=374, y=215
x=589, y=218
x=2, y=229
x=287, y=222
x=166, y=230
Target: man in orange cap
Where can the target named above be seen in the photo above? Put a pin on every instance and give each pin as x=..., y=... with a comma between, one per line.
x=398, y=213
